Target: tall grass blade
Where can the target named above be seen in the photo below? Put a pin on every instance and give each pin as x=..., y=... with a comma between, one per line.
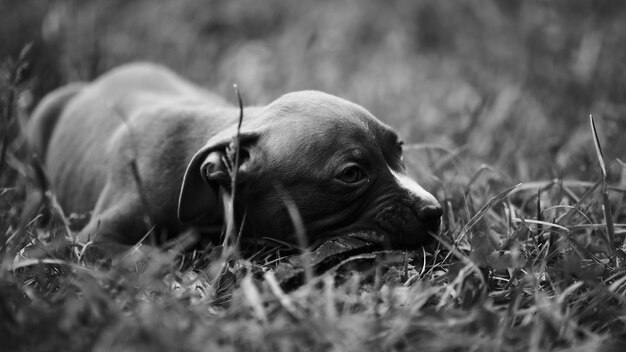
x=299, y=229
x=233, y=156
x=479, y=215
x=608, y=215
x=596, y=143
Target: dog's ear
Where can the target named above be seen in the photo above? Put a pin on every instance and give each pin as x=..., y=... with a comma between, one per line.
x=205, y=173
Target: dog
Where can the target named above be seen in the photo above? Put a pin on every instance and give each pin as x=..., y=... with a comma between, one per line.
x=140, y=142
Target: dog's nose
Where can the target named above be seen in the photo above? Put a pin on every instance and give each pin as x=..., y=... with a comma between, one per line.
x=430, y=213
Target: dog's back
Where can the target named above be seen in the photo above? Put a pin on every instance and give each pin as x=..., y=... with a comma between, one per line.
x=72, y=129
x=120, y=90
x=44, y=119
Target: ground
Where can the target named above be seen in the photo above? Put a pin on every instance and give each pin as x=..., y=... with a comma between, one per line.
x=494, y=101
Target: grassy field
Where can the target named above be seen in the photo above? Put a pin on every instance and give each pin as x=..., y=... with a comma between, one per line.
x=493, y=98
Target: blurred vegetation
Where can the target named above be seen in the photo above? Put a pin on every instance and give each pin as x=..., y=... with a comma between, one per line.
x=505, y=80
x=487, y=93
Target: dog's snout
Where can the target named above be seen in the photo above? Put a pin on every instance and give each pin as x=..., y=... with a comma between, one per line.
x=430, y=213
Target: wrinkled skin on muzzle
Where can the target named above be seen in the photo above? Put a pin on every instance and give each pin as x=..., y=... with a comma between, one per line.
x=405, y=211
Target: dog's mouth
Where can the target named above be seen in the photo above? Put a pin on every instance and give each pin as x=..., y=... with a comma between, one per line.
x=334, y=253
x=343, y=246
x=381, y=239
x=371, y=237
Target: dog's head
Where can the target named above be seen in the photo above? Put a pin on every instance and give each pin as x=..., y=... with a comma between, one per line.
x=330, y=159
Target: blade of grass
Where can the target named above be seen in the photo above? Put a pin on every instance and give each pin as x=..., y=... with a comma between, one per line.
x=479, y=215
x=596, y=143
x=577, y=208
x=234, y=161
x=283, y=298
x=299, y=229
x=541, y=223
x=608, y=216
x=253, y=298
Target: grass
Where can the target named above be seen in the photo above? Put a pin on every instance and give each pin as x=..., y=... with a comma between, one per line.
x=516, y=267
x=528, y=267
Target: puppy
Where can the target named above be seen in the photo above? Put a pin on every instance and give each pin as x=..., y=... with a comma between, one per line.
x=141, y=141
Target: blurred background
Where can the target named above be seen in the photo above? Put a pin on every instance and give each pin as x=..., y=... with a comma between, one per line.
x=510, y=83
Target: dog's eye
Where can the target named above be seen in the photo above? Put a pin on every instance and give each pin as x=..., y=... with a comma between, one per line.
x=399, y=145
x=351, y=174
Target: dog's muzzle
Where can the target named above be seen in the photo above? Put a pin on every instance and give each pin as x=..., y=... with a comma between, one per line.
x=407, y=225
x=430, y=215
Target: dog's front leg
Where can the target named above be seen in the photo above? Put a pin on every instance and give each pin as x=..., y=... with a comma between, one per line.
x=117, y=218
